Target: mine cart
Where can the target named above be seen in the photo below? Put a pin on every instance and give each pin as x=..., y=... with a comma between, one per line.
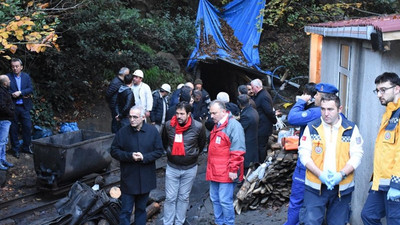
x=67, y=157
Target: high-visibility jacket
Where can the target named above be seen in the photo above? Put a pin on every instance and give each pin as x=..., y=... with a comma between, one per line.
x=387, y=150
x=345, y=133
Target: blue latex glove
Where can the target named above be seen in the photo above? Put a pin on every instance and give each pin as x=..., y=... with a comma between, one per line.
x=393, y=194
x=325, y=178
x=336, y=178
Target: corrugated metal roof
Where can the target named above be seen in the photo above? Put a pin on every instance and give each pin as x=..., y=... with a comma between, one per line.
x=387, y=23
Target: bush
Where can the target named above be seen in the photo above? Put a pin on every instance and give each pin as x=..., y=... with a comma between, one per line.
x=100, y=38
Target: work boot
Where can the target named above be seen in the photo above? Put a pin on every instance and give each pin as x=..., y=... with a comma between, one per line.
x=3, y=167
x=7, y=164
x=27, y=150
x=16, y=154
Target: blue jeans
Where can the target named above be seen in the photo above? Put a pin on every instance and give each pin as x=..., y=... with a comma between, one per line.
x=178, y=184
x=297, y=194
x=316, y=206
x=221, y=195
x=128, y=201
x=377, y=206
x=4, y=128
x=22, y=116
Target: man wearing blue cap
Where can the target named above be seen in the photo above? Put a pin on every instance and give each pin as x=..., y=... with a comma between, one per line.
x=305, y=110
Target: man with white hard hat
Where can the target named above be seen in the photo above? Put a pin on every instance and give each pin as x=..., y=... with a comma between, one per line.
x=142, y=92
x=160, y=106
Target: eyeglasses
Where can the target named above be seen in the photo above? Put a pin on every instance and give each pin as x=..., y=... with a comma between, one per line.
x=133, y=117
x=382, y=90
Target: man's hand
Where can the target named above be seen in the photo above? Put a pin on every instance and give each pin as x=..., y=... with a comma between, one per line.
x=305, y=97
x=336, y=178
x=117, y=118
x=393, y=194
x=233, y=176
x=137, y=156
x=147, y=113
x=325, y=177
x=16, y=94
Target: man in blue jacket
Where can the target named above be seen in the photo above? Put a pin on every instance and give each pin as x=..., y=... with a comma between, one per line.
x=21, y=91
x=305, y=110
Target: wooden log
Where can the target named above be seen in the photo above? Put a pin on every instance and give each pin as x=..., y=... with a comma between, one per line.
x=237, y=206
x=152, y=209
x=115, y=192
x=103, y=222
x=276, y=146
x=241, y=195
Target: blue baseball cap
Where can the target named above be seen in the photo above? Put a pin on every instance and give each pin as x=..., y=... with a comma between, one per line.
x=326, y=88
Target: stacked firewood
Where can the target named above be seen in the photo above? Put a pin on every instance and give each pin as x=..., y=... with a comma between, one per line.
x=268, y=184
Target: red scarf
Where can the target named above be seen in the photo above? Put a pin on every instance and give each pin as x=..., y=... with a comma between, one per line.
x=178, y=148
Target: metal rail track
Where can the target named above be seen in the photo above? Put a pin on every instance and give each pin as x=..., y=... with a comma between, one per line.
x=40, y=200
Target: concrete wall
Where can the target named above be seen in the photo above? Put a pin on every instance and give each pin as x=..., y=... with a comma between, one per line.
x=364, y=107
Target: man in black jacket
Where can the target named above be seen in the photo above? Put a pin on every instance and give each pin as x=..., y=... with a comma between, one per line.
x=136, y=147
x=185, y=138
x=160, y=107
x=6, y=116
x=111, y=96
x=267, y=116
x=125, y=101
x=249, y=119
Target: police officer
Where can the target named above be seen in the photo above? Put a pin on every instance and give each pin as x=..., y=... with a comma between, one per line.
x=305, y=110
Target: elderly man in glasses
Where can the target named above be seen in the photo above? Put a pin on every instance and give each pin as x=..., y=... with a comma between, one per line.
x=136, y=147
x=384, y=197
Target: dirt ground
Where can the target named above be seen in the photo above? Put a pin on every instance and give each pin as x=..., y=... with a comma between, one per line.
x=22, y=179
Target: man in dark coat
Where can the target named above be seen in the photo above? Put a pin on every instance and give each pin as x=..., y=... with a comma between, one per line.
x=249, y=120
x=267, y=116
x=6, y=115
x=21, y=91
x=111, y=96
x=158, y=113
x=136, y=147
x=125, y=101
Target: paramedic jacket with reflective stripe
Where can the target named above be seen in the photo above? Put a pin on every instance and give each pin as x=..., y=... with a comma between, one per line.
x=387, y=150
x=226, y=151
x=344, y=135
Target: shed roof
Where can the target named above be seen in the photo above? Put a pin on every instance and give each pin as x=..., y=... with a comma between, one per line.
x=360, y=28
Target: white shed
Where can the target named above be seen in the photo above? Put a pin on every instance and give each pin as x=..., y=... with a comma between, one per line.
x=351, y=54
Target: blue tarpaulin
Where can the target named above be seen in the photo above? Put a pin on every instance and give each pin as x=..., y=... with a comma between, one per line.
x=245, y=19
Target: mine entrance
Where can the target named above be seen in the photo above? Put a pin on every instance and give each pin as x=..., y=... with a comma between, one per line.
x=220, y=76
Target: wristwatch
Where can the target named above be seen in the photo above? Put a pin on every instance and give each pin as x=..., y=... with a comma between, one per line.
x=343, y=175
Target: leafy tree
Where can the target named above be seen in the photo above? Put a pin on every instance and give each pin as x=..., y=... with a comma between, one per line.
x=26, y=24
x=101, y=37
x=284, y=22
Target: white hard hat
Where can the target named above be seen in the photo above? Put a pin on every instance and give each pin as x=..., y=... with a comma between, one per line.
x=166, y=88
x=138, y=73
x=179, y=86
x=223, y=96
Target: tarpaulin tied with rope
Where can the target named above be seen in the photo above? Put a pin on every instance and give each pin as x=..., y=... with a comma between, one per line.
x=231, y=34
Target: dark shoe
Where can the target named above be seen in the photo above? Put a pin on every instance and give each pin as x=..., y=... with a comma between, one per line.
x=28, y=150
x=7, y=164
x=16, y=155
x=3, y=167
